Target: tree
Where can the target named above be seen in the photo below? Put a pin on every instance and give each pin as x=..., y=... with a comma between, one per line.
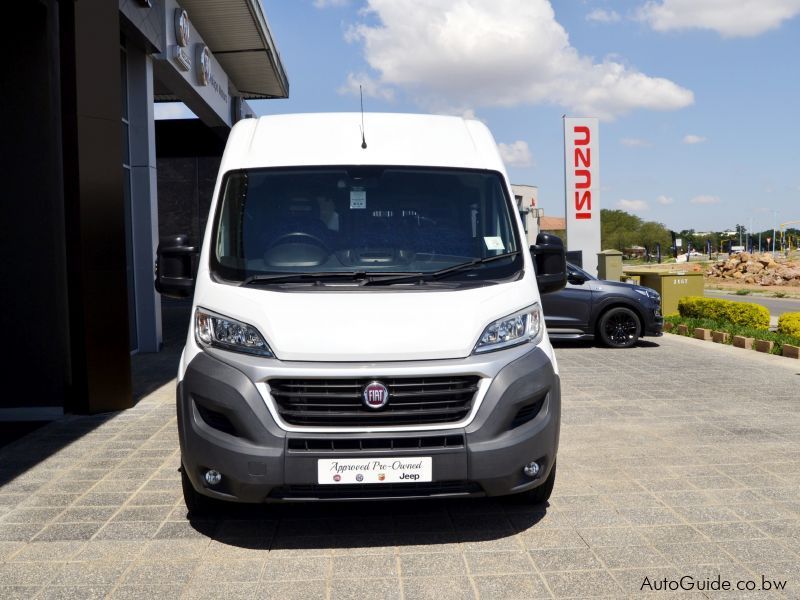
x=651, y=233
x=620, y=230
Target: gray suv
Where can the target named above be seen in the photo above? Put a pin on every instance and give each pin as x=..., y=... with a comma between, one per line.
x=617, y=313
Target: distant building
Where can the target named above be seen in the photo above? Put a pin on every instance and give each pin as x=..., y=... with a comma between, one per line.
x=527, y=199
x=553, y=224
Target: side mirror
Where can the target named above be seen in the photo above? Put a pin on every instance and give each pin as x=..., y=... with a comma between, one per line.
x=550, y=263
x=176, y=266
x=575, y=278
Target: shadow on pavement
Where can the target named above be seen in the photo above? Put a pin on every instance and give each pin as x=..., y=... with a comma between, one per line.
x=561, y=343
x=369, y=524
x=28, y=451
x=24, y=445
x=152, y=370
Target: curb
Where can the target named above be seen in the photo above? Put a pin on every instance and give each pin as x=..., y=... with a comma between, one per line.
x=773, y=359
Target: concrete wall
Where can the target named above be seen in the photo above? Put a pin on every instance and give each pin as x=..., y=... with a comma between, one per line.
x=188, y=158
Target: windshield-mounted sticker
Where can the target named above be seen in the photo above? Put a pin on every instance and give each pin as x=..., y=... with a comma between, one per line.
x=494, y=243
x=358, y=199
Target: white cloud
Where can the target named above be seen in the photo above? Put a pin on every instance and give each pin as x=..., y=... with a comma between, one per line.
x=635, y=143
x=705, y=199
x=370, y=87
x=634, y=205
x=172, y=110
x=327, y=3
x=693, y=139
x=516, y=154
x=665, y=200
x=737, y=18
x=600, y=15
x=453, y=55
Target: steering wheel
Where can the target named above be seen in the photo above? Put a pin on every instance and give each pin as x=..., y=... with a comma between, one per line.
x=301, y=237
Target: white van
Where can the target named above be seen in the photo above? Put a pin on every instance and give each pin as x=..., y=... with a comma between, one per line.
x=366, y=319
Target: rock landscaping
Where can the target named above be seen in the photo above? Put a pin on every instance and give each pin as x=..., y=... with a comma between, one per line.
x=757, y=269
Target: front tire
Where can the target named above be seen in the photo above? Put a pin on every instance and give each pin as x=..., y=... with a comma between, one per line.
x=540, y=494
x=619, y=327
x=196, y=503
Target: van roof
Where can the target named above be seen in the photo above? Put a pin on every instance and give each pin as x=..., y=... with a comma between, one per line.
x=335, y=139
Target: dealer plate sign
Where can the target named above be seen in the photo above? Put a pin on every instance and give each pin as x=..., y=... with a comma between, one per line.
x=374, y=470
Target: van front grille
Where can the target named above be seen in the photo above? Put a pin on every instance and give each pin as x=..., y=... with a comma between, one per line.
x=338, y=402
x=371, y=444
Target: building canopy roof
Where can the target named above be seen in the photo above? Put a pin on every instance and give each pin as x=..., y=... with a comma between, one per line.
x=239, y=37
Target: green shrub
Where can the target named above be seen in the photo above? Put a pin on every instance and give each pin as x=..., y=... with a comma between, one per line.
x=727, y=311
x=742, y=292
x=753, y=332
x=789, y=323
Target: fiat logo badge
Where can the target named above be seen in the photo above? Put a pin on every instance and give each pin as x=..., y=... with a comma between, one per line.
x=375, y=395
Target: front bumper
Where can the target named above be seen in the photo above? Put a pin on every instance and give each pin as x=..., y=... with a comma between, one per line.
x=224, y=424
x=654, y=321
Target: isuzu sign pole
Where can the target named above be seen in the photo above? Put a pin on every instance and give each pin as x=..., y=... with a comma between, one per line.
x=582, y=184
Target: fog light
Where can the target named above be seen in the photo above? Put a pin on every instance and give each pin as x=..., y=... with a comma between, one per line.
x=213, y=477
x=531, y=469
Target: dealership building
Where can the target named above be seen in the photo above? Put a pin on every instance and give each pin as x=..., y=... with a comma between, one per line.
x=81, y=183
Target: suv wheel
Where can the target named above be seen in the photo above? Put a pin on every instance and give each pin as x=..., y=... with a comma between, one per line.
x=619, y=327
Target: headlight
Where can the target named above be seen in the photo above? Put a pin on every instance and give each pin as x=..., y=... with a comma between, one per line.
x=652, y=294
x=211, y=329
x=519, y=328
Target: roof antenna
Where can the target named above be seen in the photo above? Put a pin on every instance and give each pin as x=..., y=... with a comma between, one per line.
x=363, y=139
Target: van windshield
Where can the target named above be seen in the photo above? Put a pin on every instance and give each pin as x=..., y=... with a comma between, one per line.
x=364, y=222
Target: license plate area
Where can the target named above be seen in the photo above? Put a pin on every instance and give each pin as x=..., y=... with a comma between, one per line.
x=377, y=470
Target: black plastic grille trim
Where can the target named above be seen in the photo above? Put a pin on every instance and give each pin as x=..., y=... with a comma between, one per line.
x=412, y=400
x=376, y=491
x=371, y=444
x=216, y=420
x=527, y=413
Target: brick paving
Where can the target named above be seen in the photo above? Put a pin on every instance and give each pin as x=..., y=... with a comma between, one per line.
x=677, y=458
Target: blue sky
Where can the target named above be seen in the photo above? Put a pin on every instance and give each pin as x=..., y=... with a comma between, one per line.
x=698, y=98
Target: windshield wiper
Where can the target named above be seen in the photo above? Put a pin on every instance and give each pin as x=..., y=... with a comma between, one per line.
x=465, y=266
x=284, y=277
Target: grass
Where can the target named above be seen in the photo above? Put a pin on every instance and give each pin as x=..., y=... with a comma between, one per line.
x=753, y=332
x=779, y=295
x=742, y=292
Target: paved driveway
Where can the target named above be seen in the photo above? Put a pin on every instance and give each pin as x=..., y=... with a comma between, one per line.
x=670, y=466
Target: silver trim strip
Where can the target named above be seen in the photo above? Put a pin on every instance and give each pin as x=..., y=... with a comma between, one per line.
x=483, y=387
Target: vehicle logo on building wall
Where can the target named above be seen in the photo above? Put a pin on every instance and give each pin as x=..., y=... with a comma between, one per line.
x=375, y=395
x=203, y=64
x=182, y=33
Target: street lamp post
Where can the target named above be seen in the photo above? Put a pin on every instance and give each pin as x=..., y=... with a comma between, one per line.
x=774, y=219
